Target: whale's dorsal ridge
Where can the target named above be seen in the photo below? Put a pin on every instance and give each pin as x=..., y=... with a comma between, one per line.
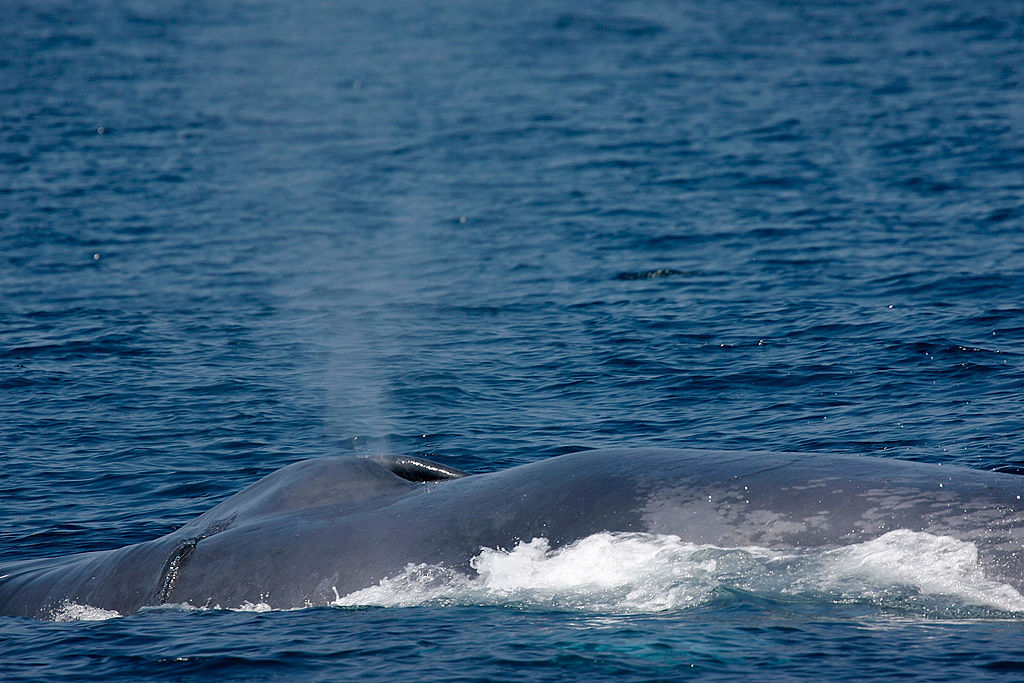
x=418, y=470
x=343, y=480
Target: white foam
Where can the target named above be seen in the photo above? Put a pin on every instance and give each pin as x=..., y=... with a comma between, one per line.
x=932, y=565
x=72, y=611
x=253, y=607
x=636, y=573
x=247, y=606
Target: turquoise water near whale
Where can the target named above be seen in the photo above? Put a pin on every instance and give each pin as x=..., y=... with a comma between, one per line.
x=237, y=235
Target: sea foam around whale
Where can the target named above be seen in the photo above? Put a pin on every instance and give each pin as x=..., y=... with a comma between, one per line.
x=638, y=573
x=635, y=573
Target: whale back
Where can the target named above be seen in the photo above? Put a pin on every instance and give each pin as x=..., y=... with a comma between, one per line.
x=319, y=528
x=129, y=578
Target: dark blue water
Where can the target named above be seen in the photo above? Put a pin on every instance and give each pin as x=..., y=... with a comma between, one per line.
x=236, y=235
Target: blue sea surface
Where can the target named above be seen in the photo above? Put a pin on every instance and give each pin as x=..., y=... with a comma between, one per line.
x=238, y=235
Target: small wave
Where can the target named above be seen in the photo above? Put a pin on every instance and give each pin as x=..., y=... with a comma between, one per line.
x=639, y=573
x=650, y=274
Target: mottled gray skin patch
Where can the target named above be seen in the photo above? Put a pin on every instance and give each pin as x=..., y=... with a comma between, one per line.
x=812, y=501
x=320, y=528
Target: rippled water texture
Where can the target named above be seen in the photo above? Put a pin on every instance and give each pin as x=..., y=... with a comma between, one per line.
x=236, y=235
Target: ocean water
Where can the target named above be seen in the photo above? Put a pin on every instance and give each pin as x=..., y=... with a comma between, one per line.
x=238, y=235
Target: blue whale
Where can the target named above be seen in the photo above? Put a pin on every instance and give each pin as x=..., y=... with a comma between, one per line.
x=320, y=528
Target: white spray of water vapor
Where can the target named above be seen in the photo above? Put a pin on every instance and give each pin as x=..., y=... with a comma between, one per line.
x=369, y=286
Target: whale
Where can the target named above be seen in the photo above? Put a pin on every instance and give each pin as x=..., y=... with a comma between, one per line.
x=321, y=528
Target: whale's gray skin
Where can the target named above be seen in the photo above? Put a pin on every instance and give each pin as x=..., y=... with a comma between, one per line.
x=322, y=528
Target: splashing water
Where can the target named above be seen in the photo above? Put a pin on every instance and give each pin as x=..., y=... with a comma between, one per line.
x=75, y=612
x=637, y=573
